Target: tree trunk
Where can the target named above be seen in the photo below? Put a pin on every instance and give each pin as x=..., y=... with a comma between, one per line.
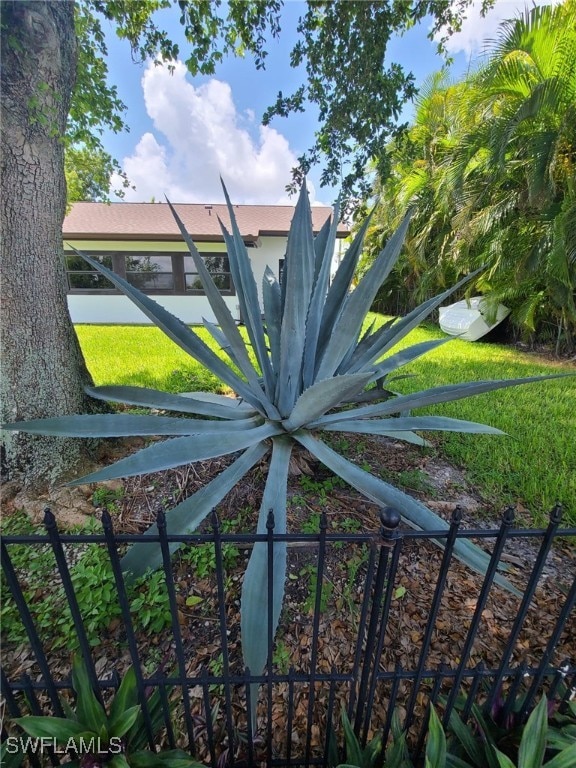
x=43, y=371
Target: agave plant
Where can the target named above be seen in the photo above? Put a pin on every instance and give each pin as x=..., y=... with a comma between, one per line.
x=316, y=367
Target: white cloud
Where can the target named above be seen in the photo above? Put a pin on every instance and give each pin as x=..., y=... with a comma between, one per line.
x=198, y=136
x=477, y=31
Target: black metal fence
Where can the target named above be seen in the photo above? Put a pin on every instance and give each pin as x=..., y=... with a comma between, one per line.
x=373, y=623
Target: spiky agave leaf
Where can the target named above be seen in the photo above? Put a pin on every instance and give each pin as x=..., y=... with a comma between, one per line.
x=314, y=359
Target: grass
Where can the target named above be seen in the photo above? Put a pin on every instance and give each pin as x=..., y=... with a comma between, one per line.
x=533, y=467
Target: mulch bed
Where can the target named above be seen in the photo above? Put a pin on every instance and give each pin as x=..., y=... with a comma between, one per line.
x=345, y=572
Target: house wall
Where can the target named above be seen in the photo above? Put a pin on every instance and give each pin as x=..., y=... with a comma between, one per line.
x=92, y=309
x=114, y=309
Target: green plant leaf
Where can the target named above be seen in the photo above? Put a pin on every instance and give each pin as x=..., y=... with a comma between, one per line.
x=436, y=743
x=503, y=760
x=124, y=424
x=354, y=753
x=10, y=759
x=122, y=723
x=173, y=758
x=187, y=516
x=456, y=762
x=254, y=603
x=58, y=728
x=564, y=759
x=126, y=695
x=119, y=761
x=322, y=396
x=89, y=711
x=137, y=738
x=397, y=755
x=533, y=742
x=473, y=747
x=192, y=402
x=177, y=451
x=559, y=739
x=193, y=600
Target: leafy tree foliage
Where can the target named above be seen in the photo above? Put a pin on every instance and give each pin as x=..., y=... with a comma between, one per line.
x=489, y=163
x=342, y=46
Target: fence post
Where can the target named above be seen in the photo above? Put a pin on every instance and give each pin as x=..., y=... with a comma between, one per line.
x=434, y=609
x=315, y=633
x=30, y=627
x=127, y=620
x=547, y=540
x=505, y=525
x=223, y=637
x=58, y=549
x=178, y=643
x=390, y=520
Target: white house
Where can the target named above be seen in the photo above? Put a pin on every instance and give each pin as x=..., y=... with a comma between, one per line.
x=142, y=242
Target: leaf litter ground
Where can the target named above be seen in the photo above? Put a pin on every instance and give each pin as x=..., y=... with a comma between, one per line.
x=314, y=493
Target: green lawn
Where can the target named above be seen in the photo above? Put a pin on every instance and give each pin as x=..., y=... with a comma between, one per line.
x=534, y=466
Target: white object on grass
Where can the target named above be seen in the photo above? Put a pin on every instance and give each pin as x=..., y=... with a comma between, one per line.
x=468, y=318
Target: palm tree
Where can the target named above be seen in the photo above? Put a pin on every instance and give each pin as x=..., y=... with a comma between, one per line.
x=489, y=166
x=517, y=167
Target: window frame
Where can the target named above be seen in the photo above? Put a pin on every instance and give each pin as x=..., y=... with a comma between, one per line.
x=119, y=268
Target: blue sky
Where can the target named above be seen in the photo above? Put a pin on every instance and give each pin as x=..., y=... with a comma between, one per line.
x=185, y=132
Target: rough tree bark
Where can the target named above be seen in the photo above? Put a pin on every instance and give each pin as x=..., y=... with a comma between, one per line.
x=43, y=371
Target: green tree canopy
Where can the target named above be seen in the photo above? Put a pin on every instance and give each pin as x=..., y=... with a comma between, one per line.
x=489, y=165
x=341, y=45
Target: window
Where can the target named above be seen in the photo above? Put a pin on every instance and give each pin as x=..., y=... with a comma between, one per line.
x=218, y=266
x=84, y=278
x=152, y=273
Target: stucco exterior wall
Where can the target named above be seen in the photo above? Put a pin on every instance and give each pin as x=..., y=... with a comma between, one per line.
x=92, y=309
x=113, y=309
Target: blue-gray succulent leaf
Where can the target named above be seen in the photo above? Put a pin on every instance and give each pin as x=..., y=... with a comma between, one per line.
x=357, y=304
x=177, y=451
x=126, y=425
x=323, y=396
x=413, y=512
x=185, y=517
x=199, y=403
x=223, y=315
x=297, y=277
x=255, y=610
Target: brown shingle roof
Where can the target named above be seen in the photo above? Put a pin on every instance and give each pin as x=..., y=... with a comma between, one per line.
x=154, y=221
